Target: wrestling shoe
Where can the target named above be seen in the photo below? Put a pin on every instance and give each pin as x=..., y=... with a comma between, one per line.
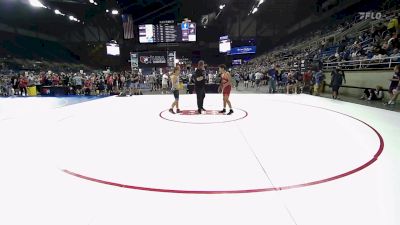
x=230, y=112
x=223, y=111
x=171, y=111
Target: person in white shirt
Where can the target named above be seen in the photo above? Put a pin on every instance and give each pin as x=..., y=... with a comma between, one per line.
x=258, y=76
x=164, y=83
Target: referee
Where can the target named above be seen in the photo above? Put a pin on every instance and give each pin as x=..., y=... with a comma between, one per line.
x=199, y=80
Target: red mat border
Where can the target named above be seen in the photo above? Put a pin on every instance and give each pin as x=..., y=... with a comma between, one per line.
x=358, y=169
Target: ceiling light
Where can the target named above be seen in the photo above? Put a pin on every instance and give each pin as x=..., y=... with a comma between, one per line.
x=37, y=3
x=260, y=2
x=114, y=12
x=221, y=6
x=57, y=12
x=91, y=1
x=107, y=10
x=71, y=18
x=95, y=3
x=254, y=10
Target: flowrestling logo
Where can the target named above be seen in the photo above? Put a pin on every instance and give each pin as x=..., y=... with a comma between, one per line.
x=370, y=15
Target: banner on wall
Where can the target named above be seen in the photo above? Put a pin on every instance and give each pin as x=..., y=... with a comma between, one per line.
x=171, y=59
x=242, y=50
x=134, y=61
x=153, y=59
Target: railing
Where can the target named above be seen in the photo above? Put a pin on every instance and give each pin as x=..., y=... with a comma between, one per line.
x=365, y=64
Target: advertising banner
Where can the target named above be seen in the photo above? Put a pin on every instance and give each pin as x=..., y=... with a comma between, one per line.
x=134, y=60
x=171, y=59
x=152, y=59
x=242, y=50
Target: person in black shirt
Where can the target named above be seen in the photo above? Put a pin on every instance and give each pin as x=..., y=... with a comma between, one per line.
x=337, y=79
x=394, y=88
x=200, y=85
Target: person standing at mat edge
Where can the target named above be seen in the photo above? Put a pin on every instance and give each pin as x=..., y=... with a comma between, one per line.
x=175, y=89
x=200, y=85
x=226, y=88
x=337, y=80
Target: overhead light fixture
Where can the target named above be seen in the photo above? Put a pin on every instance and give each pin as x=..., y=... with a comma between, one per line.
x=221, y=7
x=107, y=10
x=115, y=12
x=37, y=3
x=95, y=3
x=71, y=18
x=57, y=12
x=254, y=10
x=260, y=2
x=91, y=1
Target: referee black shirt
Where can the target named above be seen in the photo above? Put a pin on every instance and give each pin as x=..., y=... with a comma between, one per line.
x=199, y=79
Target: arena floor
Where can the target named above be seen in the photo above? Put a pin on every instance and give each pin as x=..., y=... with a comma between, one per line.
x=279, y=159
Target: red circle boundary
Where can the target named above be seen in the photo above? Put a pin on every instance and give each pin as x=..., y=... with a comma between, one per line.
x=358, y=169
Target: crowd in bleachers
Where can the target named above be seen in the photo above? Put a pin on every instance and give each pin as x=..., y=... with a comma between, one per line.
x=376, y=44
x=374, y=41
x=100, y=83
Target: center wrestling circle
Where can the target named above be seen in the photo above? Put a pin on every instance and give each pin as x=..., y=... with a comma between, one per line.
x=207, y=117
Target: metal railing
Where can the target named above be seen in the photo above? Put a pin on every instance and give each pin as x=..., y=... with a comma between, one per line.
x=365, y=64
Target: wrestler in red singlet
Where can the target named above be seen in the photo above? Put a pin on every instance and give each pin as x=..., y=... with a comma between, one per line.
x=225, y=83
x=226, y=87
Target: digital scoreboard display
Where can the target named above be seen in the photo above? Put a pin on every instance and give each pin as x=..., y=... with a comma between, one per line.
x=224, y=44
x=167, y=33
x=112, y=49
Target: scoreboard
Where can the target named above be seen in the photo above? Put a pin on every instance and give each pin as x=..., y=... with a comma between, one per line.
x=167, y=33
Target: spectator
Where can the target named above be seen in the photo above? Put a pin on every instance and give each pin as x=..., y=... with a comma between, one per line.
x=110, y=82
x=253, y=79
x=101, y=85
x=337, y=79
x=237, y=80
x=373, y=94
x=15, y=85
x=31, y=80
x=164, y=83
x=258, y=77
x=23, y=84
x=396, y=55
x=393, y=25
x=307, y=78
x=272, y=75
x=394, y=85
x=87, y=86
x=55, y=80
x=77, y=81
x=291, y=84
x=318, y=77
x=246, y=79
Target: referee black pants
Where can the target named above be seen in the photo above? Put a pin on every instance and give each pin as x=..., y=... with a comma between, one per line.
x=201, y=94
